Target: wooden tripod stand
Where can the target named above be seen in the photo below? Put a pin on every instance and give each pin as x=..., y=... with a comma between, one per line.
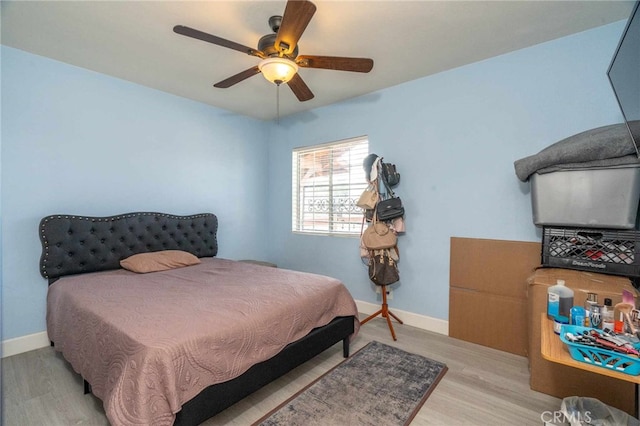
x=385, y=312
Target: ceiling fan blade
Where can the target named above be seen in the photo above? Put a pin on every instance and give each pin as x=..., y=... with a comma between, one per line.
x=197, y=34
x=336, y=63
x=297, y=15
x=300, y=88
x=237, y=78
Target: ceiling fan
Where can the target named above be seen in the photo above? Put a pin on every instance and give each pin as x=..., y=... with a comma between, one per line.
x=279, y=51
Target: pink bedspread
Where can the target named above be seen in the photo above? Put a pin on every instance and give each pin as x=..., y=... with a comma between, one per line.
x=148, y=343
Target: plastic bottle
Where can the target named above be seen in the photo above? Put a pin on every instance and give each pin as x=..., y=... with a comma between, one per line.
x=577, y=316
x=595, y=316
x=559, y=301
x=618, y=321
x=607, y=315
x=592, y=299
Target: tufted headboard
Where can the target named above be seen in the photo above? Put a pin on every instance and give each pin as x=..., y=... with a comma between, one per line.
x=80, y=244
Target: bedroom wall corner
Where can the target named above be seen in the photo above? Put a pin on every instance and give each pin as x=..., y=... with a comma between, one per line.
x=454, y=137
x=78, y=142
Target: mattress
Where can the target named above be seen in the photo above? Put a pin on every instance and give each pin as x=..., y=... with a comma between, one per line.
x=148, y=343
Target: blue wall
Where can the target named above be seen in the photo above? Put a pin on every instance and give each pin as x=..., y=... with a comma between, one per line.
x=454, y=137
x=74, y=141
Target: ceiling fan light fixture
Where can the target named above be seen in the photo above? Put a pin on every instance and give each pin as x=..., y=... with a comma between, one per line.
x=278, y=70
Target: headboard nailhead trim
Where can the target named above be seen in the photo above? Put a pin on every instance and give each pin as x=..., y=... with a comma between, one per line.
x=201, y=243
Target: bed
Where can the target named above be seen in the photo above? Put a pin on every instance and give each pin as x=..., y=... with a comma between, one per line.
x=178, y=345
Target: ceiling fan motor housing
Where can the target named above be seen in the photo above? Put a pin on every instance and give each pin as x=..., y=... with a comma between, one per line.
x=266, y=44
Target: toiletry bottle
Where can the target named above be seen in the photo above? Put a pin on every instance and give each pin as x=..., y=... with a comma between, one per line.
x=618, y=321
x=559, y=301
x=577, y=316
x=619, y=325
x=595, y=316
x=592, y=299
x=607, y=315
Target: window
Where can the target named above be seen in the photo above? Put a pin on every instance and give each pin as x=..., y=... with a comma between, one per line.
x=327, y=182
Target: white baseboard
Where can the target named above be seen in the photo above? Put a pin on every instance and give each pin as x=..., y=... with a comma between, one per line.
x=26, y=343
x=34, y=341
x=409, y=318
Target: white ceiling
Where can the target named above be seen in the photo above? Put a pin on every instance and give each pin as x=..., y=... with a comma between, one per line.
x=134, y=40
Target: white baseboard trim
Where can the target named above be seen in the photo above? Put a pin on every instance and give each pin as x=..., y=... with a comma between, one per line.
x=34, y=341
x=409, y=318
x=26, y=343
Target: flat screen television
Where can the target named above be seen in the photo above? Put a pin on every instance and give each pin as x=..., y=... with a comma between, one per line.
x=624, y=75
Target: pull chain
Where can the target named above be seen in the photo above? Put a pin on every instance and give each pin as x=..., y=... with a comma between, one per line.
x=278, y=104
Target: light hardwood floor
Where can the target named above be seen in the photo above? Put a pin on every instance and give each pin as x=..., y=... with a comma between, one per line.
x=482, y=387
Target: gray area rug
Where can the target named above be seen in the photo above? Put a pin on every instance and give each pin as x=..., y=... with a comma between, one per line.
x=378, y=385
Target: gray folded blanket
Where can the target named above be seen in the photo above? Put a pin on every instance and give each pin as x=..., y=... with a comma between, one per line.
x=600, y=147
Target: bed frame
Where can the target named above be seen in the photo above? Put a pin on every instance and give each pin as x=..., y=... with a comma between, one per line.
x=82, y=244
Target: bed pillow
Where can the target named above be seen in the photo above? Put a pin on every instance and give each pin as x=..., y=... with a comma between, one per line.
x=158, y=261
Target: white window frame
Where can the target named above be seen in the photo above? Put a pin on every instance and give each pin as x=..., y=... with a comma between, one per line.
x=324, y=200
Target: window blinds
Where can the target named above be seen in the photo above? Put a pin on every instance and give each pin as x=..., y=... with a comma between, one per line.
x=327, y=182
